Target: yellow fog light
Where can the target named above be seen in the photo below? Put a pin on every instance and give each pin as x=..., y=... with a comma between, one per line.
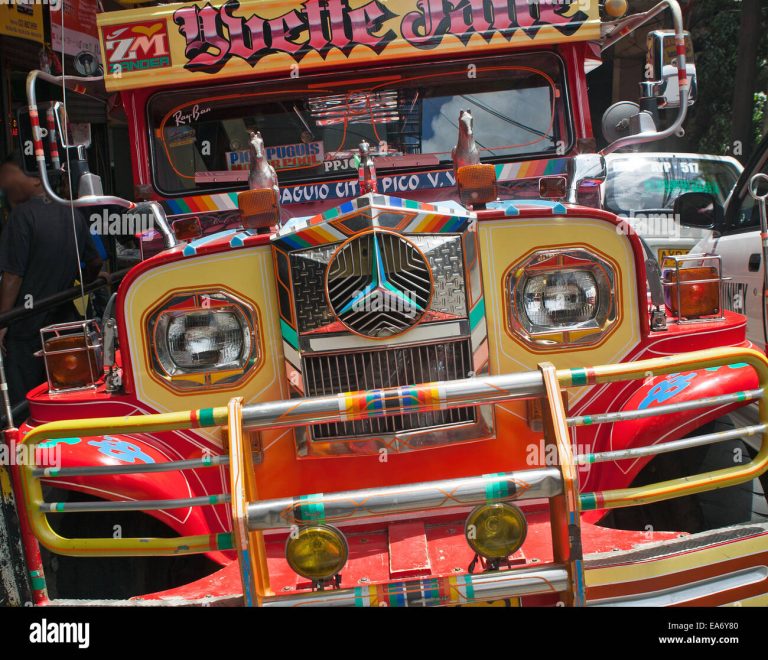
x=495, y=531
x=317, y=552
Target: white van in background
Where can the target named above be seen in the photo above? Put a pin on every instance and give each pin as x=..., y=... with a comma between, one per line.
x=643, y=187
x=734, y=234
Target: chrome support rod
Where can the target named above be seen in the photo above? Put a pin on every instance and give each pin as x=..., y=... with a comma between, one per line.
x=627, y=415
x=495, y=585
x=132, y=505
x=393, y=401
x=683, y=83
x=139, y=468
x=626, y=26
x=675, y=445
x=158, y=215
x=365, y=503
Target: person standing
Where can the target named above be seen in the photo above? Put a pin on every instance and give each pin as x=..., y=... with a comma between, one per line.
x=39, y=251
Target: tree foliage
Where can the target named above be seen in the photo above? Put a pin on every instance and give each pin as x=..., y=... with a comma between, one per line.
x=714, y=26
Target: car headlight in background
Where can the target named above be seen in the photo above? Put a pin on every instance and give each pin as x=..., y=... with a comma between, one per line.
x=561, y=297
x=203, y=340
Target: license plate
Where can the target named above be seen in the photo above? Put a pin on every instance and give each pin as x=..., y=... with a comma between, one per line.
x=663, y=254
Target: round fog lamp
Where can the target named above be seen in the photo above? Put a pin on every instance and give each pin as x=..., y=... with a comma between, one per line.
x=495, y=531
x=317, y=553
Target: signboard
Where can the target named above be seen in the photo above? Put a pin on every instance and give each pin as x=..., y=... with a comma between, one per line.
x=281, y=157
x=205, y=41
x=23, y=20
x=80, y=33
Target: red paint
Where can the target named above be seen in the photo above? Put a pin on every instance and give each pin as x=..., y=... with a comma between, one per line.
x=408, y=552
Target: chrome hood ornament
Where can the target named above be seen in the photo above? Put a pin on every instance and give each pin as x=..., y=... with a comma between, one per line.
x=366, y=169
x=465, y=152
x=262, y=174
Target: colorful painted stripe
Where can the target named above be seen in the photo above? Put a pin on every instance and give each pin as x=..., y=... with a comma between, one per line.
x=531, y=169
x=580, y=377
x=477, y=313
x=290, y=336
x=310, y=509
x=191, y=248
x=498, y=487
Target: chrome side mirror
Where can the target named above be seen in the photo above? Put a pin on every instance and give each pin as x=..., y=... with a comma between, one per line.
x=76, y=136
x=661, y=68
x=699, y=210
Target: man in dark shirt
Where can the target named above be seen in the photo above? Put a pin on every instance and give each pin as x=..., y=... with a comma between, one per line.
x=38, y=258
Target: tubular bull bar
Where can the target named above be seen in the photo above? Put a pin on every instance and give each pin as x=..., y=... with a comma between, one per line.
x=559, y=484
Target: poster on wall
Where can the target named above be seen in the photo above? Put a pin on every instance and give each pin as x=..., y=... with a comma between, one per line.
x=80, y=35
x=24, y=21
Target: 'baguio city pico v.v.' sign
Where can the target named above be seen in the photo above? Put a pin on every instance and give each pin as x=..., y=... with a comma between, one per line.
x=193, y=41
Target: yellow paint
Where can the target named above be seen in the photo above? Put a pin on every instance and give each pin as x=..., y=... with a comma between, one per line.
x=158, y=23
x=502, y=243
x=28, y=26
x=596, y=577
x=248, y=274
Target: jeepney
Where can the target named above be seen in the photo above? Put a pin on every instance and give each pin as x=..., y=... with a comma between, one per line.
x=417, y=365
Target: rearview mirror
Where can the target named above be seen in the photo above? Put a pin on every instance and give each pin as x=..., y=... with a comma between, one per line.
x=52, y=146
x=661, y=68
x=698, y=210
x=71, y=135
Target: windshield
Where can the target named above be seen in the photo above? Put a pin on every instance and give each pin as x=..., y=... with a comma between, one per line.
x=312, y=130
x=652, y=183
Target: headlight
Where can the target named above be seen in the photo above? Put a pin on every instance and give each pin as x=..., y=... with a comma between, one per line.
x=317, y=553
x=203, y=340
x=559, y=298
x=495, y=531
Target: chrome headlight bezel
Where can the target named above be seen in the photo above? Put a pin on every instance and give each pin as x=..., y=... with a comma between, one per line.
x=578, y=262
x=218, y=375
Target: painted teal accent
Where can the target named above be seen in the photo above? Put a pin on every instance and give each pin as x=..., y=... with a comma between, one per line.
x=477, y=313
x=359, y=597
x=587, y=501
x=66, y=441
x=205, y=416
x=469, y=587
x=37, y=580
x=289, y=334
x=224, y=541
x=587, y=421
x=579, y=376
x=207, y=460
x=59, y=506
x=213, y=499
x=496, y=489
x=311, y=511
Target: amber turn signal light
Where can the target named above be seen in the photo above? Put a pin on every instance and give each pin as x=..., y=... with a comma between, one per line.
x=70, y=362
x=259, y=208
x=553, y=187
x=187, y=228
x=696, y=294
x=476, y=184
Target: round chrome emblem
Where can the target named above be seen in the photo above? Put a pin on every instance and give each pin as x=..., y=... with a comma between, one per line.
x=379, y=284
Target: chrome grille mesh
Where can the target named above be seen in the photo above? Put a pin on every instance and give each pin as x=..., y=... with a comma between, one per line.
x=392, y=367
x=379, y=284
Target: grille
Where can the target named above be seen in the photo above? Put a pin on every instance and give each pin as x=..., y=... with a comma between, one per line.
x=379, y=284
x=393, y=367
